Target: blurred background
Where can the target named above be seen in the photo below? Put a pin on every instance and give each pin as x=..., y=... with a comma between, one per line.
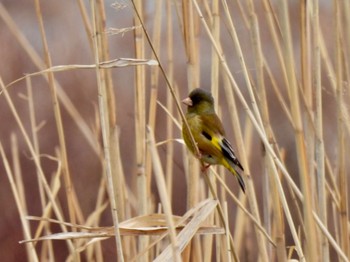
x=22, y=52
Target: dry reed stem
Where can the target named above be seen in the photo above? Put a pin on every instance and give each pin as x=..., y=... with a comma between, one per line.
x=214, y=17
x=193, y=81
x=343, y=212
x=142, y=181
x=154, y=89
x=319, y=151
x=169, y=102
x=118, y=173
x=163, y=195
x=105, y=117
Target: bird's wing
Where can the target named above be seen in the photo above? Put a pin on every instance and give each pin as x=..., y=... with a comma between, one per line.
x=229, y=154
x=213, y=130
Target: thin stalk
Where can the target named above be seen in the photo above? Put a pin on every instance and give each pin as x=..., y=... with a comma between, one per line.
x=228, y=257
x=214, y=57
x=344, y=212
x=214, y=13
x=105, y=128
x=159, y=177
x=308, y=96
x=169, y=103
x=140, y=123
x=157, y=22
x=118, y=173
x=319, y=146
x=193, y=76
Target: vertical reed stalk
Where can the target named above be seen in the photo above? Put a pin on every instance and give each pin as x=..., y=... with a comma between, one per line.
x=159, y=175
x=310, y=230
x=154, y=88
x=105, y=118
x=140, y=122
x=170, y=126
x=344, y=213
x=319, y=145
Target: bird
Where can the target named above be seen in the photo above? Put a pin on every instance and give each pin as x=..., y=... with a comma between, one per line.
x=209, y=134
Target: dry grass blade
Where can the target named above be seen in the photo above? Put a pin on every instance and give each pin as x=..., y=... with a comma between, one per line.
x=122, y=62
x=115, y=63
x=163, y=195
x=186, y=235
x=116, y=31
x=153, y=224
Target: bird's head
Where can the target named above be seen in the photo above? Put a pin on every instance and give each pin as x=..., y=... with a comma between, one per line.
x=199, y=101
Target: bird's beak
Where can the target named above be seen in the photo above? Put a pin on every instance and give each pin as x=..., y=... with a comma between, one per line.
x=187, y=101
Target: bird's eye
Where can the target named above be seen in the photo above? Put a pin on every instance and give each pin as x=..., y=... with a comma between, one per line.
x=207, y=136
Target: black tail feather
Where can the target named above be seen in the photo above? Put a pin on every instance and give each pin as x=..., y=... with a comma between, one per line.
x=241, y=182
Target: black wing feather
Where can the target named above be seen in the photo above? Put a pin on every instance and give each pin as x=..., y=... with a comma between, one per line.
x=229, y=154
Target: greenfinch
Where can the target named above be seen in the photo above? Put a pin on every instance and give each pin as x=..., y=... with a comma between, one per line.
x=209, y=134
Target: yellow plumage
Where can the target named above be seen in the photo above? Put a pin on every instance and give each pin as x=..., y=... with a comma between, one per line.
x=209, y=134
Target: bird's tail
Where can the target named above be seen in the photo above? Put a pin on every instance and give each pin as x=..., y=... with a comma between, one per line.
x=236, y=174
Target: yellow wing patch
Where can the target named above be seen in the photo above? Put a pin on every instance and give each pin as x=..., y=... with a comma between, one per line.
x=216, y=141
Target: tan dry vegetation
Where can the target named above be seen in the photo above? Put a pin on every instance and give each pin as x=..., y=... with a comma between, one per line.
x=92, y=162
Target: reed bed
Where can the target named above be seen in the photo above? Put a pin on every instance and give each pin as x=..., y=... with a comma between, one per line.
x=279, y=76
